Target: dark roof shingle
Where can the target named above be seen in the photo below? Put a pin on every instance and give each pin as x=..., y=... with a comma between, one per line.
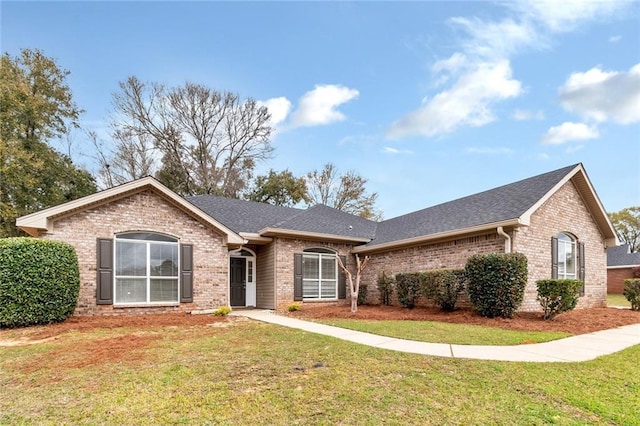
x=495, y=205
x=620, y=256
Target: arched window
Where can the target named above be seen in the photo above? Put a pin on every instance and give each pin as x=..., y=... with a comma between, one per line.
x=319, y=274
x=146, y=268
x=566, y=256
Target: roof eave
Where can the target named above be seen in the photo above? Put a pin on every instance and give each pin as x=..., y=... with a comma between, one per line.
x=292, y=233
x=437, y=236
x=622, y=266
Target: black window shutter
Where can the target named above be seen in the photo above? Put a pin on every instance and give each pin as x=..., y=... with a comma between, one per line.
x=581, y=256
x=342, y=280
x=186, y=273
x=297, y=276
x=554, y=258
x=104, y=279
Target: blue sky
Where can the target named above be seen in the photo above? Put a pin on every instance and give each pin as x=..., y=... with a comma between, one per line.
x=429, y=101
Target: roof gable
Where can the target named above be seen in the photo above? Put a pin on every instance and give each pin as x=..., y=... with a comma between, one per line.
x=42, y=221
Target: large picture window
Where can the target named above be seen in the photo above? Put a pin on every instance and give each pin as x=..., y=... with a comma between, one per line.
x=319, y=274
x=146, y=269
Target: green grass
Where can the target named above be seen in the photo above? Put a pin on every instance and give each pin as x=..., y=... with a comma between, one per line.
x=440, y=332
x=617, y=300
x=253, y=373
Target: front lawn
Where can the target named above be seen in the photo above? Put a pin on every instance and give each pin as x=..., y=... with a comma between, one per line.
x=440, y=332
x=617, y=300
x=244, y=372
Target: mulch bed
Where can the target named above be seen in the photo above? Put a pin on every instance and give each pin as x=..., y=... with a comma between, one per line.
x=575, y=322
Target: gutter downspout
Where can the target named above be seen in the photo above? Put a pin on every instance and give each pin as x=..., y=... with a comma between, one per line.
x=507, y=239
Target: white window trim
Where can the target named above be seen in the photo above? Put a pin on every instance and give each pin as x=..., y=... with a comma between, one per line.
x=148, y=276
x=319, y=280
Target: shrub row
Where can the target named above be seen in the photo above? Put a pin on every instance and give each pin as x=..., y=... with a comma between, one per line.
x=495, y=284
x=39, y=281
x=442, y=287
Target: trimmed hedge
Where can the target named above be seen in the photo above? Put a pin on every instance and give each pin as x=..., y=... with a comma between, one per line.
x=632, y=292
x=408, y=289
x=443, y=286
x=39, y=281
x=496, y=282
x=558, y=296
x=385, y=287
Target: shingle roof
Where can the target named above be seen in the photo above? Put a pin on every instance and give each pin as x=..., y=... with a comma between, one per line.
x=620, y=256
x=249, y=216
x=495, y=205
x=327, y=220
x=241, y=215
x=508, y=202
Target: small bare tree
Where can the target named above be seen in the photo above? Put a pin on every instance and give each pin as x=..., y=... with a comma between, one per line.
x=354, y=288
x=344, y=192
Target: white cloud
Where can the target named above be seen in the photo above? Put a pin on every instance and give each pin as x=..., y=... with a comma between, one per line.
x=525, y=115
x=488, y=150
x=567, y=15
x=484, y=55
x=604, y=95
x=319, y=106
x=569, y=131
x=495, y=40
x=279, y=109
x=615, y=39
x=466, y=103
x=390, y=150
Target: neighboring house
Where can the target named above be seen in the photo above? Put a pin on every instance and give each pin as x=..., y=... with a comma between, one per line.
x=620, y=264
x=142, y=248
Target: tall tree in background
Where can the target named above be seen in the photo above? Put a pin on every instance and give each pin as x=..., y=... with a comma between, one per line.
x=36, y=107
x=280, y=189
x=627, y=224
x=345, y=192
x=208, y=141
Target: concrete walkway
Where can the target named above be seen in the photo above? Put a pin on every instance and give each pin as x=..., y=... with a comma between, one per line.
x=583, y=347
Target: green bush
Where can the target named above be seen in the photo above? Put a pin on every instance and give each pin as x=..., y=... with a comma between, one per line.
x=443, y=286
x=385, y=288
x=222, y=311
x=39, y=281
x=293, y=307
x=408, y=289
x=496, y=282
x=632, y=292
x=558, y=296
x=362, y=294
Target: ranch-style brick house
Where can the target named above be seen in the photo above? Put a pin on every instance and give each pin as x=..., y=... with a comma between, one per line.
x=144, y=249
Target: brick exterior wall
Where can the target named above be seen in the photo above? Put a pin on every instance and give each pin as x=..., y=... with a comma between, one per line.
x=564, y=211
x=150, y=212
x=616, y=277
x=285, y=249
x=446, y=254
